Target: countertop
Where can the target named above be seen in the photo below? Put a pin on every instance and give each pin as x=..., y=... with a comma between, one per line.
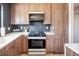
x=12, y=36
x=49, y=33
x=74, y=47
x=9, y=38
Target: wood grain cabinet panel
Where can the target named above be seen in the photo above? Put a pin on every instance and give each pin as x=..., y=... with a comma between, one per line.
x=15, y=48
x=2, y=52
x=19, y=13
x=48, y=14
x=36, y=7
x=50, y=43
x=24, y=14
x=12, y=49
x=57, y=18
x=15, y=14
x=9, y=50
x=60, y=25
x=24, y=44
x=57, y=44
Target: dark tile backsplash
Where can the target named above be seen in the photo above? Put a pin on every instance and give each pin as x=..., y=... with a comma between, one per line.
x=39, y=26
x=33, y=26
x=19, y=26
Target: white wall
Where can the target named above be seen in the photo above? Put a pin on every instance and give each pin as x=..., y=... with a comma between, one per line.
x=76, y=28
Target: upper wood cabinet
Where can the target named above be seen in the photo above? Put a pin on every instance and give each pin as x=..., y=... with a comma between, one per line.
x=24, y=14
x=42, y=7
x=19, y=14
x=36, y=7
x=59, y=18
x=48, y=13
x=15, y=14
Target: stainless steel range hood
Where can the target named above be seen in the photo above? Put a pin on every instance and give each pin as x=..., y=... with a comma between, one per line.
x=36, y=16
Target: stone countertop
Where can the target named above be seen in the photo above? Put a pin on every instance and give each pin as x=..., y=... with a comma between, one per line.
x=49, y=33
x=14, y=35
x=73, y=46
x=9, y=38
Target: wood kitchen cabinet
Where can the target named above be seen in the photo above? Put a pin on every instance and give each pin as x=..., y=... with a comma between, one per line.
x=54, y=44
x=24, y=14
x=42, y=7
x=60, y=18
x=36, y=7
x=15, y=48
x=57, y=18
x=58, y=44
x=19, y=14
x=48, y=14
x=9, y=50
x=24, y=44
x=49, y=43
x=60, y=25
x=15, y=14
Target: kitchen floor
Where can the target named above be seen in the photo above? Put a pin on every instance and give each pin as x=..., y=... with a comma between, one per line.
x=49, y=54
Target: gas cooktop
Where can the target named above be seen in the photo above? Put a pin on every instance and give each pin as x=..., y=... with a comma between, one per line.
x=37, y=34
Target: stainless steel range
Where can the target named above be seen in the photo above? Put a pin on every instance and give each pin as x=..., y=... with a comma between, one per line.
x=37, y=43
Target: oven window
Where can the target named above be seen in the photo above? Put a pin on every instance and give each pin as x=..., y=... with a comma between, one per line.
x=36, y=43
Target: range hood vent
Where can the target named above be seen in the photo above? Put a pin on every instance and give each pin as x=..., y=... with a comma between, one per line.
x=36, y=16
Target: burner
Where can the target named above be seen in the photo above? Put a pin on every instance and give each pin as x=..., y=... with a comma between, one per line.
x=36, y=34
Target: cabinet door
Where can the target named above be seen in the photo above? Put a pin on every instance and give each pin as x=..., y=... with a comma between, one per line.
x=24, y=14
x=57, y=44
x=15, y=14
x=24, y=44
x=36, y=7
x=50, y=43
x=18, y=46
x=2, y=52
x=48, y=48
x=19, y=14
x=48, y=10
x=9, y=50
x=15, y=48
x=57, y=18
x=12, y=49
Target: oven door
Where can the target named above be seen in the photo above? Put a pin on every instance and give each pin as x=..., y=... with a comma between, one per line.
x=36, y=44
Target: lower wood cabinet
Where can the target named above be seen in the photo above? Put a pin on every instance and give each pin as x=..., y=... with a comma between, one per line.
x=50, y=43
x=15, y=48
x=59, y=43
x=55, y=43
x=24, y=44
